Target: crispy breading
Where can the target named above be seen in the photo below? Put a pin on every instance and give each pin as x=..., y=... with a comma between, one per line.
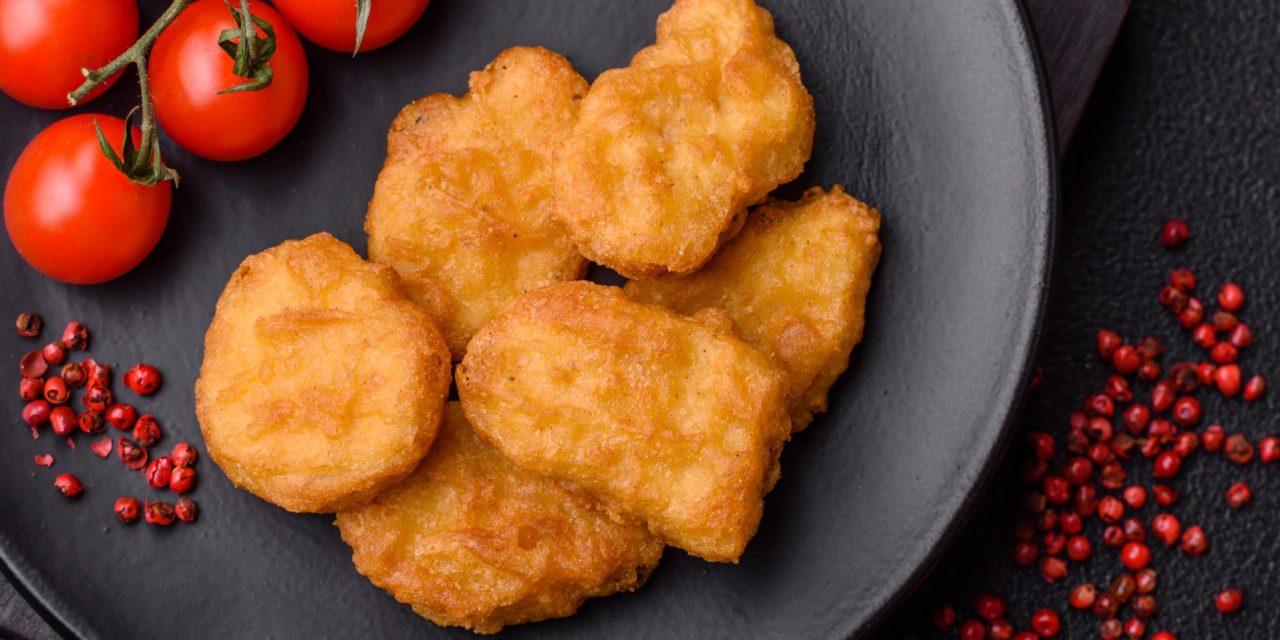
x=795, y=282
x=664, y=417
x=668, y=153
x=322, y=384
x=462, y=207
x=471, y=540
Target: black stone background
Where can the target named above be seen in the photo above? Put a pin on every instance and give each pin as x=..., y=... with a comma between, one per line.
x=1184, y=123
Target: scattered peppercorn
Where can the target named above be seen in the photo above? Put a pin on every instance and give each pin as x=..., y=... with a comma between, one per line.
x=1194, y=541
x=29, y=324
x=944, y=617
x=1135, y=496
x=121, y=416
x=1079, y=548
x=126, y=509
x=1053, y=569
x=1108, y=342
x=1231, y=297
x=187, y=511
x=1254, y=388
x=1135, y=555
x=63, y=421
x=1110, y=629
x=55, y=391
x=1238, y=449
x=142, y=379
x=1228, y=379
x=1167, y=465
x=1166, y=528
x=1082, y=596
x=184, y=455
x=159, y=472
x=75, y=336
x=1241, y=337
x=998, y=630
x=1238, y=495
x=1269, y=449
x=1175, y=234
x=1224, y=353
x=33, y=365
x=1145, y=606
x=73, y=374
x=97, y=397
x=182, y=479
x=36, y=413
x=68, y=485
x=1229, y=601
x=1145, y=581
x=30, y=389
x=54, y=353
x=160, y=514
x=146, y=431
x=1186, y=411
x=1135, y=628
x=133, y=456
x=1046, y=623
x=1026, y=553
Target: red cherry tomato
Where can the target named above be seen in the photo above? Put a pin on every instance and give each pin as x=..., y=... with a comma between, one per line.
x=45, y=43
x=71, y=214
x=188, y=69
x=332, y=23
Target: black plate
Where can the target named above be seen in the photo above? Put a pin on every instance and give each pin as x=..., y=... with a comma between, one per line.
x=933, y=111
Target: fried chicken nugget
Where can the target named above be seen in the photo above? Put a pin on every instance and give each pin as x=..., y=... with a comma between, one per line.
x=462, y=207
x=668, y=153
x=471, y=540
x=659, y=415
x=322, y=384
x=795, y=282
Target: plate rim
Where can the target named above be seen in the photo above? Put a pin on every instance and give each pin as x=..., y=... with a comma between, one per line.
x=1028, y=344
x=43, y=601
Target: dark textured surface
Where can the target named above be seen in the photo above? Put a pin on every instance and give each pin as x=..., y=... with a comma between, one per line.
x=1183, y=123
x=1075, y=38
x=931, y=110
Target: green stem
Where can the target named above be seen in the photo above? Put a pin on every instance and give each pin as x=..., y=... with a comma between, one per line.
x=247, y=23
x=136, y=54
x=143, y=160
x=143, y=166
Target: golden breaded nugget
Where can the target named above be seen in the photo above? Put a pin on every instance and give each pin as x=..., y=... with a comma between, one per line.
x=471, y=540
x=462, y=208
x=795, y=282
x=660, y=415
x=322, y=384
x=668, y=153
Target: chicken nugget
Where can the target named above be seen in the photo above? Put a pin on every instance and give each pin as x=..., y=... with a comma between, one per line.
x=795, y=283
x=471, y=540
x=322, y=384
x=660, y=415
x=668, y=153
x=462, y=207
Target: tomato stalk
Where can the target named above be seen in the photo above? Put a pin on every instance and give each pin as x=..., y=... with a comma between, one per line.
x=250, y=53
x=362, y=20
x=142, y=165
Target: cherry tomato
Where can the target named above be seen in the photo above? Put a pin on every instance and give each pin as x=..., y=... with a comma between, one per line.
x=45, y=43
x=188, y=69
x=71, y=214
x=332, y=23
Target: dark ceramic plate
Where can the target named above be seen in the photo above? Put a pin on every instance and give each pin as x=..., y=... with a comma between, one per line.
x=933, y=111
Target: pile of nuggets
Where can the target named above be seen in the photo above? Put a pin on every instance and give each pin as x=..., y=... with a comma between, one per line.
x=597, y=424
